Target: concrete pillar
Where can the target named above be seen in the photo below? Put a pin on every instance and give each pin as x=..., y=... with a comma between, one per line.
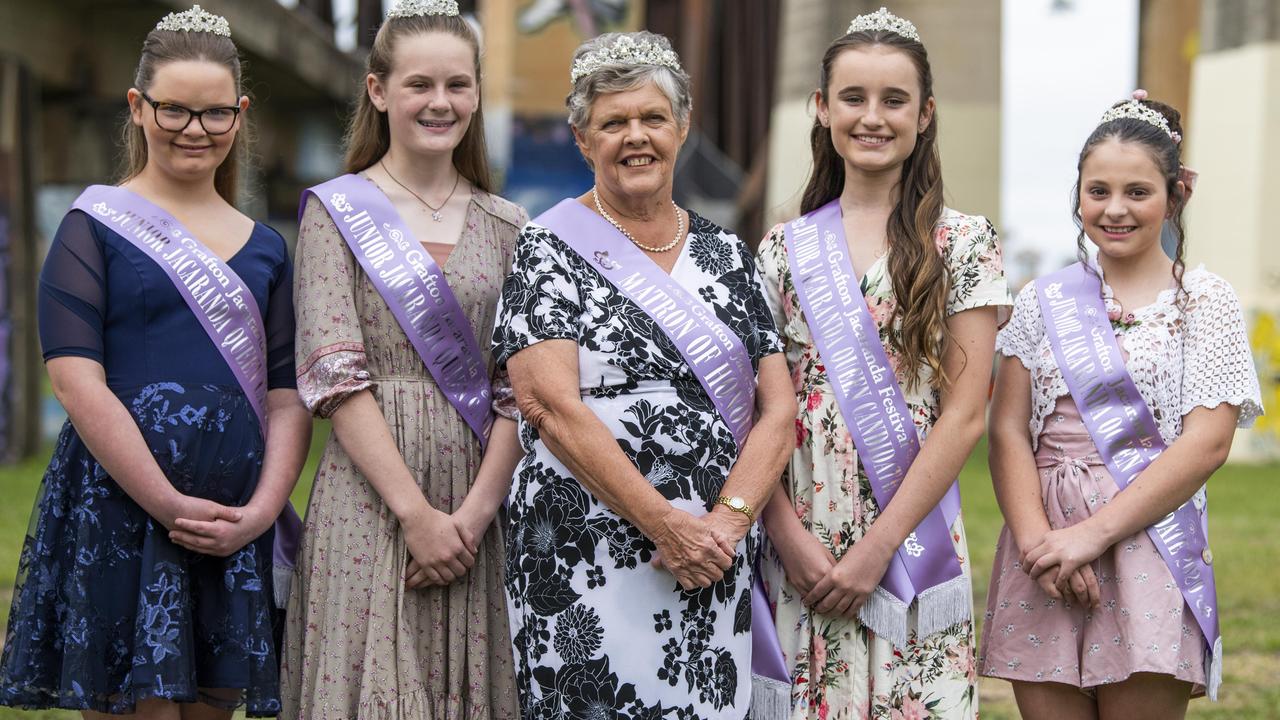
x=1234, y=142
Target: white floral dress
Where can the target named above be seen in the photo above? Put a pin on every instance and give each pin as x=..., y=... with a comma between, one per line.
x=839, y=669
x=597, y=631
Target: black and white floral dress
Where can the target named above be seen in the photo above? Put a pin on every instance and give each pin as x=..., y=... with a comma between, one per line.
x=597, y=631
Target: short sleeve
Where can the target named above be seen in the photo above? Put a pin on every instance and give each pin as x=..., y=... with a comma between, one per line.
x=540, y=300
x=972, y=253
x=1021, y=336
x=329, y=344
x=762, y=320
x=72, y=298
x=771, y=261
x=1218, y=362
x=280, y=325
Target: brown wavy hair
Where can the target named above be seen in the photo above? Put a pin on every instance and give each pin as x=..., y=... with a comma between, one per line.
x=919, y=274
x=165, y=46
x=369, y=135
x=1165, y=153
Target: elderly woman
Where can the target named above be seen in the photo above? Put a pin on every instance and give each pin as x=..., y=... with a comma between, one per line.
x=656, y=419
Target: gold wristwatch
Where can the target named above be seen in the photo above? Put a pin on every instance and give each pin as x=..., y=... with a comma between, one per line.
x=737, y=504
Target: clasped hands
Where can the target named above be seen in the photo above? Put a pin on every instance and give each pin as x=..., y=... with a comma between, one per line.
x=698, y=550
x=211, y=528
x=1060, y=563
x=442, y=546
x=828, y=586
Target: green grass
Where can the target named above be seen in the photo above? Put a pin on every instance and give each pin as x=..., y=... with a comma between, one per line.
x=1246, y=506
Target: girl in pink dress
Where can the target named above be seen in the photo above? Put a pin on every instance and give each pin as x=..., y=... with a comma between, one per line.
x=1083, y=615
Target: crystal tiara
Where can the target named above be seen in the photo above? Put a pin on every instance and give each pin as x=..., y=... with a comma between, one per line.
x=1135, y=110
x=882, y=19
x=626, y=50
x=418, y=8
x=196, y=19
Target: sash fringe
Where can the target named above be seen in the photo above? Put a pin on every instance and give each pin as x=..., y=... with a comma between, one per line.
x=886, y=616
x=942, y=606
x=282, y=579
x=1213, y=670
x=770, y=699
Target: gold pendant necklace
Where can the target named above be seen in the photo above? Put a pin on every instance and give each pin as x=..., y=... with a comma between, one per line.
x=435, y=211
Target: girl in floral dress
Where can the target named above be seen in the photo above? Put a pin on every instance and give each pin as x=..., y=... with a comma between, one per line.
x=1084, y=616
x=932, y=279
x=397, y=611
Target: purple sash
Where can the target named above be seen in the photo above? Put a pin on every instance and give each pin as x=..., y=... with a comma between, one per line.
x=415, y=289
x=714, y=353
x=925, y=568
x=1126, y=435
x=218, y=298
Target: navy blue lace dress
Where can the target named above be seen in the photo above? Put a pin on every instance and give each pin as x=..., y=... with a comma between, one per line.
x=107, y=611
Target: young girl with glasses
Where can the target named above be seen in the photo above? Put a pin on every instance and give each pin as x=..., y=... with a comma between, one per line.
x=166, y=319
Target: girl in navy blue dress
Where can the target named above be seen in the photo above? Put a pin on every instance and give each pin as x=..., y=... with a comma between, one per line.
x=145, y=584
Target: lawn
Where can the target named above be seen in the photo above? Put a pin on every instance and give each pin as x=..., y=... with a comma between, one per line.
x=1246, y=506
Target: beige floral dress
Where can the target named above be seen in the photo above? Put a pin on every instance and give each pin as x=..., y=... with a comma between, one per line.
x=357, y=644
x=839, y=669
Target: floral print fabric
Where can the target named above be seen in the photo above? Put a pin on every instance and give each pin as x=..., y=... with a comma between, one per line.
x=839, y=668
x=1143, y=624
x=107, y=611
x=598, y=631
x=357, y=643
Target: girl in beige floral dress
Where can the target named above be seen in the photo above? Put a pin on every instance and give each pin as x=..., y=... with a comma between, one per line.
x=932, y=279
x=397, y=609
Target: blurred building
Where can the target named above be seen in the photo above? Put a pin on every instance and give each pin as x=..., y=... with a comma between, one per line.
x=64, y=69
x=1219, y=60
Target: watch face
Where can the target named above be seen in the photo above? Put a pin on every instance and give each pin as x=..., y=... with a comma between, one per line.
x=737, y=503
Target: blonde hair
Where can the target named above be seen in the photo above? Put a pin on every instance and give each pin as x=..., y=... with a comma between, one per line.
x=165, y=46
x=369, y=134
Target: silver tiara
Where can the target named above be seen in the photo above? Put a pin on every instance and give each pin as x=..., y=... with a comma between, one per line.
x=418, y=8
x=882, y=19
x=196, y=19
x=626, y=50
x=1137, y=111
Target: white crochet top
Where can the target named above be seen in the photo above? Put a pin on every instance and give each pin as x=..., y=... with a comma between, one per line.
x=1178, y=361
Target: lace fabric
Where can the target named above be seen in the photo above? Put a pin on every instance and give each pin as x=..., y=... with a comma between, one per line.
x=1179, y=360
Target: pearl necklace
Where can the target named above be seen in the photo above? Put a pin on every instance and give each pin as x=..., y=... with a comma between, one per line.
x=674, y=241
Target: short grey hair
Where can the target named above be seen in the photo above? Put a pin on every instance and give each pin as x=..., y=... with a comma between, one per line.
x=618, y=78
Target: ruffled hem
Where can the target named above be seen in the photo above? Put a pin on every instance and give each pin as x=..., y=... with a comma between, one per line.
x=33, y=698
x=417, y=705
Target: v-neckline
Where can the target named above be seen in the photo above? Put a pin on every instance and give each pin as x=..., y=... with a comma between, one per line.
x=472, y=204
x=225, y=260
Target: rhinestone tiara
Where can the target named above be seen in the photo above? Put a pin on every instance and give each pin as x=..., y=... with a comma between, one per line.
x=626, y=50
x=196, y=19
x=1137, y=111
x=882, y=19
x=418, y=8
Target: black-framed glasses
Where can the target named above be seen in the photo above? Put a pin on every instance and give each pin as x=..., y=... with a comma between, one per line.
x=176, y=118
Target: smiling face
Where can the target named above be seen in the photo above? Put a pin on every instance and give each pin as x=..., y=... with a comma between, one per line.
x=191, y=153
x=1123, y=199
x=631, y=140
x=430, y=94
x=873, y=106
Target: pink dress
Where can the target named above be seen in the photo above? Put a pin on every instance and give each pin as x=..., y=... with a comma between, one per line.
x=1179, y=359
